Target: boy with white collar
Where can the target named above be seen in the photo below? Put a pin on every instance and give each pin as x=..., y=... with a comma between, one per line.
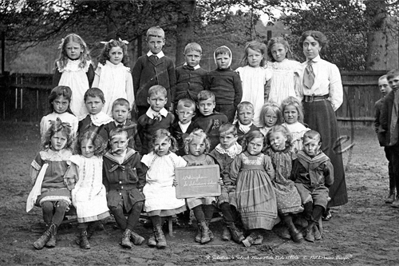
x=153, y=68
x=156, y=117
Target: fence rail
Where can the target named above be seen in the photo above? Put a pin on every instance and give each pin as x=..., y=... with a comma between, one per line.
x=24, y=96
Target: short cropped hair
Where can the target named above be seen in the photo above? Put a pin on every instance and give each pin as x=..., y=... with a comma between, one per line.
x=185, y=102
x=227, y=128
x=311, y=135
x=205, y=95
x=192, y=46
x=393, y=73
x=383, y=77
x=94, y=92
x=157, y=89
x=245, y=104
x=121, y=102
x=155, y=31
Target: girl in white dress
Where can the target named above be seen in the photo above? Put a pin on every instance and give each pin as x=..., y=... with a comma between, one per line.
x=112, y=76
x=159, y=190
x=60, y=101
x=89, y=195
x=293, y=119
x=254, y=76
x=285, y=79
x=74, y=69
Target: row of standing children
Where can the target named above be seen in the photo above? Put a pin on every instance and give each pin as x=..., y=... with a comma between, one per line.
x=75, y=70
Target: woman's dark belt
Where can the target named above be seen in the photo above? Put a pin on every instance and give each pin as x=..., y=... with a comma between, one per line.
x=315, y=98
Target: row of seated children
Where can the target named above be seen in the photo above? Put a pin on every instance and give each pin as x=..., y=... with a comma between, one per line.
x=255, y=182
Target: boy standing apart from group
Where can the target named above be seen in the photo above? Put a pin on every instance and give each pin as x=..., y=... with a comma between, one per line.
x=153, y=68
x=390, y=128
x=384, y=89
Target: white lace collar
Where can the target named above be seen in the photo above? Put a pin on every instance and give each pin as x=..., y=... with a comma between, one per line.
x=232, y=152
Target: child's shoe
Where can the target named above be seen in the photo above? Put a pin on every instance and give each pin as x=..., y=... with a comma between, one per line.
x=211, y=236
x=226, y=236
x=391, y=197
x=316, y=232
x=125, y=242
x=258, y=240
x=160, y=237
x=205, y=233
x=152, y=242
x=52, y=241
x=395, y=204
x=284, y=233
x=249, y=240
x=136, y=238
x=43, y=239
x=199, y=234
x=235, y=233
x=84, y=241
x=309, y=233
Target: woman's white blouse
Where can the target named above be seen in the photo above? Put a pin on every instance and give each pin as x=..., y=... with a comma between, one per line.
x=327, y=81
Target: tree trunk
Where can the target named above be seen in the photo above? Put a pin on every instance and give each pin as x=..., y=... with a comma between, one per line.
x=185, y=28
x=376, y=14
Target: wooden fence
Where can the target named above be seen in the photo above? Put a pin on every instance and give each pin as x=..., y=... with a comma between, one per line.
x=24, y=97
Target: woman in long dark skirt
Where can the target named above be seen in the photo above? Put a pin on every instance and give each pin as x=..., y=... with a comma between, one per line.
x=322, y=96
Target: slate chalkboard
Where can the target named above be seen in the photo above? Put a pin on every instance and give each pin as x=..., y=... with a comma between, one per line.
x=197, y=181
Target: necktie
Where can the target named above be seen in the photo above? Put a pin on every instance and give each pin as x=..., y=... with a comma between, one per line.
x=154, y=58
x=308, y=77
x=157, y=117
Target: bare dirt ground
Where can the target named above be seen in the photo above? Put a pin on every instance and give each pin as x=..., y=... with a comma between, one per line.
x=363, y=232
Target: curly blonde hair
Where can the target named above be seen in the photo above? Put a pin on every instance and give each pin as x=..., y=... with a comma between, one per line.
x=197, y=134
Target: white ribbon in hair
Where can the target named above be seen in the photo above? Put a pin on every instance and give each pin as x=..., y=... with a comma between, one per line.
x=124, y=41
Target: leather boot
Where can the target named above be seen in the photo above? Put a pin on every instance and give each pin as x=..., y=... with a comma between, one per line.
x=226, y=236
x=84, y=242
x=199, y=234
x=43, y=239
x=316, y=232
x=249, y=240
x=125, y=242
x=160, y=237
x=52, y=241
x=309, y=233
x=151, y=241
x=211, y=236
x=296, y=235
x=236, y=234
x=136, y=238
x=205, y=236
